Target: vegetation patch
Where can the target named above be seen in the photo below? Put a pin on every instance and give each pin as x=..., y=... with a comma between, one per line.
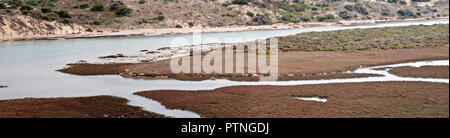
x=365, y=39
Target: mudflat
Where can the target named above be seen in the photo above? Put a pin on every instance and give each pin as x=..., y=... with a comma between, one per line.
x=346, y=100
x=422, y=72
x=80, y=107
x=298, y=63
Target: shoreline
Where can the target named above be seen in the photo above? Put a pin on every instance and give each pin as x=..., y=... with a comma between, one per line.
x=173, y=31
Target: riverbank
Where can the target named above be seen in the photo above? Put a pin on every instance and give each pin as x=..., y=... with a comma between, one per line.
x=79, y=107
x=346, y=100
x=294, y=65
x=169, y=31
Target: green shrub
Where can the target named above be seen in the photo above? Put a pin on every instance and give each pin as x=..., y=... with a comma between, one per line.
x=361, y=9
x=402, y=2
x=142, y=1
x=405, y=13
x=25, y=9
x=14, y=3
x=385, y=13
x=191, y=24
x=345, y=15
x=84, y=6
x=98, y=8
x=96, y=22
x=63, y=14
x=46, y=10
x=120, y=9
x=262, y=19
x=240, y=2
x=251, y=14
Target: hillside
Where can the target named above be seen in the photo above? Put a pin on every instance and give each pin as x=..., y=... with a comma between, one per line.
x=31, y=17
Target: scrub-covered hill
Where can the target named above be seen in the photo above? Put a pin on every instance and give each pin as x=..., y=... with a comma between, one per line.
x=74, y=16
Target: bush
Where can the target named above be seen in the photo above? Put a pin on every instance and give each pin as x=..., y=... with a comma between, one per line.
x=392, y=1
x=46, y=10
x=160, y=16
x=300, y=7
x=348, y=7
x=84, y=6
x=327, y=17
x=191, y=24
x=98, y=8
x=361, y=9
x=385, y=13
x=262, y=19
x=63, y=14
x=120, y=9
x=25, y=9
x=141, y=1
x=142, y=21
x=251, y=14
x=345, y=15
x=405, y=13
x=240, y=2
x=14, y=3
x=96, y=22
x=402, y=2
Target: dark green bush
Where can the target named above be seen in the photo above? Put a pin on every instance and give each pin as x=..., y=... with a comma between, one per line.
x=98, y=8
x=63, y=14
x=14, y=3
x=345, y=15
x=84, y=6
x=191, y=24
x=405, y=13
x=120, y=9
x=46, y=10
x=251, y=14
x=262, y=19
x=240, y=2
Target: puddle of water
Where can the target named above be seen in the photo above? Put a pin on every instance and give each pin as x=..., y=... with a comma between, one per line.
x=317, y=99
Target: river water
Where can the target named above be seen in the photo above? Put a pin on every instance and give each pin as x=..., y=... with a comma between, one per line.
x=28, y=68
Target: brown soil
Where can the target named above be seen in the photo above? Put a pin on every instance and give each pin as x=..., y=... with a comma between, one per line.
x=422, y=72
x=82, y=107
x=296, y=62
x=348, y=100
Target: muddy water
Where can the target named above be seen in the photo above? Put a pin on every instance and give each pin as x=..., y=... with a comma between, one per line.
x=27, y=68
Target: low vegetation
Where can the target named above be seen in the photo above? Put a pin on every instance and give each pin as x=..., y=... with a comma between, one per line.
x=365, y=39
